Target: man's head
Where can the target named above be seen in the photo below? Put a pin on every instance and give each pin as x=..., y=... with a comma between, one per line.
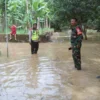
x=34, y=26
x=73, y=21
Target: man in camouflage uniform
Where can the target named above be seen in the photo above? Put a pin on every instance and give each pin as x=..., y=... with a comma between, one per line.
x=76, y=42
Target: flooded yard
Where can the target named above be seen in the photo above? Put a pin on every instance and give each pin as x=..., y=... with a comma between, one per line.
x=49, y=75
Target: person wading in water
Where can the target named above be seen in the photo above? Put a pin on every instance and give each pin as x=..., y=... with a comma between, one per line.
x=76, y=42
x=34, y=39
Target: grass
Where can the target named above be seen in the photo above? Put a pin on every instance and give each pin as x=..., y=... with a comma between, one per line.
x=19, y=31
x=24, y=32
x=91, y=32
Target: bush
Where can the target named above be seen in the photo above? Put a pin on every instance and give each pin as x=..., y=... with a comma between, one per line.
x=45, y=30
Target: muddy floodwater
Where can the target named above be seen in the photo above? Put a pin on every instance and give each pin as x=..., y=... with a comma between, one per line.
x=49, y=75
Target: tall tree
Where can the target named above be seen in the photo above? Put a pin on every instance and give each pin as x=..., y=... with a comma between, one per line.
x=64, y=10
x=2, y=11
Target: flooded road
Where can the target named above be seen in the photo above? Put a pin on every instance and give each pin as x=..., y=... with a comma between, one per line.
x=49, y=75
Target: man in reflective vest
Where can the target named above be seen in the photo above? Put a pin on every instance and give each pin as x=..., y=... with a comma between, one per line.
x=34, y=41
x=76, y=42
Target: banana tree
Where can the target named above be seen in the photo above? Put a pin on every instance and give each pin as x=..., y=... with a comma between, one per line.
x=39, y=10
x=16, y=11
x=26, y=12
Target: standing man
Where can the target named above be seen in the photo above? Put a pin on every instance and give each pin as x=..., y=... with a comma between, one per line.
x=76, y=42
x=34, y=39
x=13, y=32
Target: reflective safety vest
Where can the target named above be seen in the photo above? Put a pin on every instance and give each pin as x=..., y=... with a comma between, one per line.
x=35, y=36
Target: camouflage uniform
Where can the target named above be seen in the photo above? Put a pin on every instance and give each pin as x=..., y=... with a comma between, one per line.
x=76, y=42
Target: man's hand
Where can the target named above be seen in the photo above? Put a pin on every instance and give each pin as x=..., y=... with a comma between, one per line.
x=70, y=48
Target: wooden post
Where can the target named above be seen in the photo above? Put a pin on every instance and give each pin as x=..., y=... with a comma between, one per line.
x=6, y=28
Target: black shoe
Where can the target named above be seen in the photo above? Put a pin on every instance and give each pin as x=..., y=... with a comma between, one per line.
x=33, y=53
x=79, y=68
x=98, y=77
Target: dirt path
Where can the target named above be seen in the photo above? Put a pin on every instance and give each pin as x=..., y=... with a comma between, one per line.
x=50, y=74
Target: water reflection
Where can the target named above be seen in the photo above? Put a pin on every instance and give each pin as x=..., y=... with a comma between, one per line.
x=50, y=74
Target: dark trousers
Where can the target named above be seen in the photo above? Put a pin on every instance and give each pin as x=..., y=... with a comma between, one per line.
x=76, y=53
x=34, y=47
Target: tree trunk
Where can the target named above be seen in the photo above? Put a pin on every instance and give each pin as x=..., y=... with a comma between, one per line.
x=43, y=25
x=49, y=24
x=46, y=22
x=28, y=25
x=38, y=23
x=3, y=22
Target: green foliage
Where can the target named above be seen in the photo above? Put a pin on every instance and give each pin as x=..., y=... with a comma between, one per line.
x=39, y=8
x=15, y=9
x=25, y=12
x=64, y=10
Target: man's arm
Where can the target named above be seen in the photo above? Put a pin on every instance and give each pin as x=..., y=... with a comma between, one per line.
x=79, y=31
x=79, y=35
